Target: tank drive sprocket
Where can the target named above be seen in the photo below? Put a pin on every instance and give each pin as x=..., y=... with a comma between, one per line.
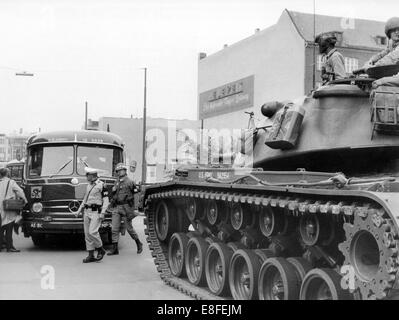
x=371, y=249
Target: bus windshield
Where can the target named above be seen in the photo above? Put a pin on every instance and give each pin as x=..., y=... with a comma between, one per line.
x=102, y=158
x=50, y=161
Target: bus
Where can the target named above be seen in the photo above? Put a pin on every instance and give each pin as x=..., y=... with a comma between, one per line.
x=54, y=180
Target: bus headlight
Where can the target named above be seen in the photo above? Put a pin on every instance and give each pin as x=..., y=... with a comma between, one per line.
x=37, y=207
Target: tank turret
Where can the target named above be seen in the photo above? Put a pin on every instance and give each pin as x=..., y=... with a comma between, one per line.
x=339, y=129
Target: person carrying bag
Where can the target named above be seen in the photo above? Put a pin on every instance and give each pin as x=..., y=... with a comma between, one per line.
x=12, y=200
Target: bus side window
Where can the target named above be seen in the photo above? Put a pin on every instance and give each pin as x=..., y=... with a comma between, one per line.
x=12, y=172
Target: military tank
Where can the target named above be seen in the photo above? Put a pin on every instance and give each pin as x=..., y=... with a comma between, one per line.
x=315, y=218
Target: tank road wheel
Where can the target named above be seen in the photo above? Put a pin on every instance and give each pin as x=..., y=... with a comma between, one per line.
x=243, y=275
x=309, y=228
x=264, y=254
x=209, y=240
x=278, y=280
x=192, y=208
x=195, y=261
x=316, y=229
x=301, y=265
x=267, y=222
x=371, y=249
x=217, y=263
x=323, y=284
x=213, y=212
x=176, y=253
x=192, y=234
x=272, y=222
x=329, y=231
x=239, y=219
x=165, y=220
x=234, y=246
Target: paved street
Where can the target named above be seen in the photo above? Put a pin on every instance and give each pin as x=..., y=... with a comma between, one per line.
x=127, y=276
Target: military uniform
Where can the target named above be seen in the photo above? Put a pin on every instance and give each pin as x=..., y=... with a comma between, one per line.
x=334, y=65
x=123, y=209
x=94, y=205
x=388, y=56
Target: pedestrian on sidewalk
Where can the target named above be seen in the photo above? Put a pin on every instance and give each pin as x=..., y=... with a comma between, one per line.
x=9, y=189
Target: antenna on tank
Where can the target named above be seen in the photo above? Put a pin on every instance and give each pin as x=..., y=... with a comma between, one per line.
x=314, y=44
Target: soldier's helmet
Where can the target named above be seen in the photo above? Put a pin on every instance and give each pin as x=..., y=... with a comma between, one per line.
x=391, y=24
x=91, y=171
x=120, y=166
x=328, y=37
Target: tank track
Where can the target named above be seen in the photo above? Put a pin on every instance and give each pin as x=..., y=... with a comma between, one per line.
x=160, y=252
x=362, y=212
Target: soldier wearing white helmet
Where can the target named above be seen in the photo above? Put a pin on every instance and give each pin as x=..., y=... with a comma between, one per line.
x=94, y=205
x=391, y=54
x=123, y=208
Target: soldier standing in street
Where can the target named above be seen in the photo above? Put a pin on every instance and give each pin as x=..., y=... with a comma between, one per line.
x=94, y=205
x=333, y=62
x=123, y=208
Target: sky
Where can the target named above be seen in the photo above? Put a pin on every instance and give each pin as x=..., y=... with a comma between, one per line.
x=95, y=51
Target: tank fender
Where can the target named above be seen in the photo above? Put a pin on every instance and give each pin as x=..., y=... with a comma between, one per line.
x=390, y=202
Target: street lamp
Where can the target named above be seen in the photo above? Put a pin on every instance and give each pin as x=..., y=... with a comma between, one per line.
x=144, y=165
x=25, y=74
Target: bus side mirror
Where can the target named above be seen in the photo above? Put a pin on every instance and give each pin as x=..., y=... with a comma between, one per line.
x=133, y=165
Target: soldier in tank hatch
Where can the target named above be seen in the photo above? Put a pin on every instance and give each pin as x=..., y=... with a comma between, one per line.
x=390, y=55
x=333, y=67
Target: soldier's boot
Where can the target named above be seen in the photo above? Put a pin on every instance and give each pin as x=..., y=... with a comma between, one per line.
x=139, y=246
x=90, y=257
x=101, y=253
x=114, y=250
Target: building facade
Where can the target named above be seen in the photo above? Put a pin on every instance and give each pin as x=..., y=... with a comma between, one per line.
x=17, y=146
x=277, y=63
x=3, y=148
x=13, y=146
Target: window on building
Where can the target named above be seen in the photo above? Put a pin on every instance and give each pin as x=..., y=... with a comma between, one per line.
x=351, y=64
x=339, y=36
x=381, y=40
